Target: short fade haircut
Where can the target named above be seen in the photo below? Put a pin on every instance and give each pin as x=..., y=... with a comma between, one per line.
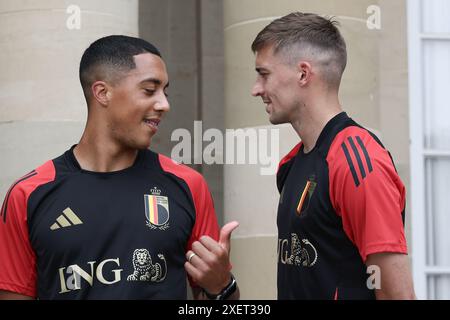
x=308, y=36
x=109, y=57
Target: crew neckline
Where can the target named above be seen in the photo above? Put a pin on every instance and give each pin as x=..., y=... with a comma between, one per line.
x=74, y=164
x=328, y=127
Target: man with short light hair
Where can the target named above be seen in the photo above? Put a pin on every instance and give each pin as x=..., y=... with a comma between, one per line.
x=342, y=203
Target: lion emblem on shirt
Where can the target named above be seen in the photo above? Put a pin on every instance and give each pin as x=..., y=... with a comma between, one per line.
x=299, y=254
x=145, y=269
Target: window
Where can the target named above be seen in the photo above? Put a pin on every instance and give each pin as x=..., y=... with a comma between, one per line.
x=429, y=87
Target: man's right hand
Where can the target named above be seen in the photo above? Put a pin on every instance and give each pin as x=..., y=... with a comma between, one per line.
x=209, y=261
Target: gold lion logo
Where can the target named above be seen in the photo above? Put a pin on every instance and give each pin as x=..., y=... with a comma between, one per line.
x=299, y=254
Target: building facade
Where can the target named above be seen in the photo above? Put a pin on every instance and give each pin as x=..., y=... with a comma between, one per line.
x=395, y=83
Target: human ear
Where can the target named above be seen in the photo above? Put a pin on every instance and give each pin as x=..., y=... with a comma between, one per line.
x=101, y=92
x=304, y=72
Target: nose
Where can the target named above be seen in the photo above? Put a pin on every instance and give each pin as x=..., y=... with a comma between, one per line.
x=162, y=104
x=257, y=89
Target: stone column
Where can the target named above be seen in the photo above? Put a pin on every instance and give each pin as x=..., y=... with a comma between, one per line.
x=42, y=107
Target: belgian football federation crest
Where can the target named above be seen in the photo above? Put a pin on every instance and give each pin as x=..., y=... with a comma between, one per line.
x=156, y=210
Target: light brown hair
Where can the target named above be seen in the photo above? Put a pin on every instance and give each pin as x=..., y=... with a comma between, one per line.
x=307, y=36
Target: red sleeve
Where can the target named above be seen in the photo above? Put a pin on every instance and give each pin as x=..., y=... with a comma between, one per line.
x=366, y=192
x=289, y=156
x=17, y=258
x=205, y=215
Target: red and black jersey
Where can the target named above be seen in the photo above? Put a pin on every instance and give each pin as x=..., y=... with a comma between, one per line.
x=339, y=203
x=68, y=233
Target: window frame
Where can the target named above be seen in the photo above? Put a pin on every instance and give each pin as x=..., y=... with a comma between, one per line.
x=421, y=209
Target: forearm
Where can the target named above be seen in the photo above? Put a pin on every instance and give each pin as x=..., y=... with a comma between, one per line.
x=8, y=295
x=395, y=289
x=395, y=276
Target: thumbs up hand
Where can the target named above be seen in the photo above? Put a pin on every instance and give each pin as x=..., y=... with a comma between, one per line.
x=225, y=235
x=208, y=263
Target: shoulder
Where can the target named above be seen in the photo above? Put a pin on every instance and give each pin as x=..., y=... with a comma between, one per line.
x=22, y=188
x=193, y=178
x=357, y=153
x=354, y=142
x=287, y=158
x=41, y=175
x=198, y=188
x=285, y=165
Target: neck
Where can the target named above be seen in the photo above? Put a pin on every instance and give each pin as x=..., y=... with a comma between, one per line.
x=312, y=118
x=98, y=153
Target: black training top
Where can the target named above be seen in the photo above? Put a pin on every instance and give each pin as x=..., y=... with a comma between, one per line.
x=339, y=203
x=68, y=233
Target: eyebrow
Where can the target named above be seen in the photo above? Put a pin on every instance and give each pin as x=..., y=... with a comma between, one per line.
x=155, y=81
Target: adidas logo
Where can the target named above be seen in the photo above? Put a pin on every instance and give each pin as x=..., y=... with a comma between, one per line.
x=67, y=219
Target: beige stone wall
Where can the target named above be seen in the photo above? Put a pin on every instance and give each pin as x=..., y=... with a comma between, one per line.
x=393, y=91
x=42, y=108
x=373, y=92
x=189, y=34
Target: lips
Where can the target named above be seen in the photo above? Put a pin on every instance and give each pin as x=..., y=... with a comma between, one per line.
x=267, y=102
x=153, y=123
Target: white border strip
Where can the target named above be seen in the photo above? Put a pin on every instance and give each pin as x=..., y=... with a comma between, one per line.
x=417, y=159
